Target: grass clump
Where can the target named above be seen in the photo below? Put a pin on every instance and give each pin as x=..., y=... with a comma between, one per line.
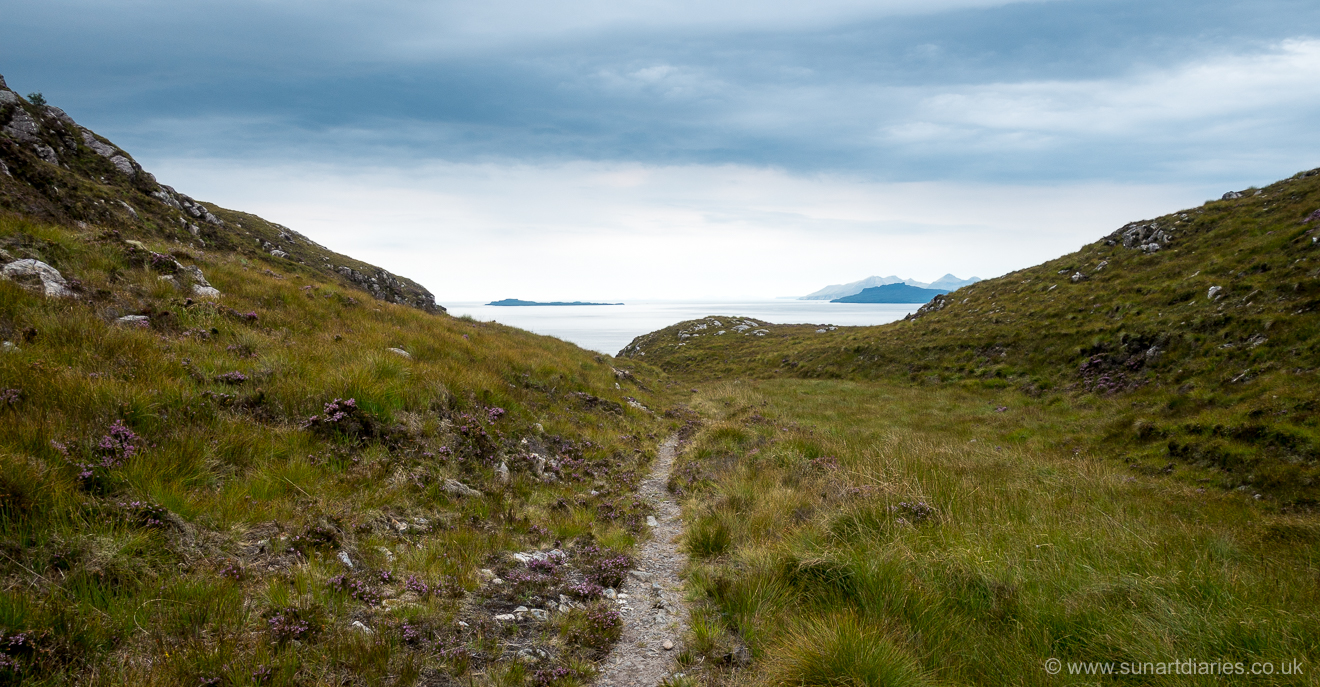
x=840, y=650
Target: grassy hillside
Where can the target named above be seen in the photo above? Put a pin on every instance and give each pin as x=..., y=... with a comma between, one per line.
x=1204, y=322
x=180, y=493
x=229, y=456
x=866, y=533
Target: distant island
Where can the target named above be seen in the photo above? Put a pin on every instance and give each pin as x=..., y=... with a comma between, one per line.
x=892, y=293
x=515, y=301
x=948, y=283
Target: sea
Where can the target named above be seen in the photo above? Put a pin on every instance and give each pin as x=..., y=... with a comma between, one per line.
x=608, y=328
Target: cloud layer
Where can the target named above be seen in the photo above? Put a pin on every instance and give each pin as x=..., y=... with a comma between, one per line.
x=815, y=142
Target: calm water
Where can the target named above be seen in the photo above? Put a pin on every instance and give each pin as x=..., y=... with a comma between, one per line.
x=608, y=328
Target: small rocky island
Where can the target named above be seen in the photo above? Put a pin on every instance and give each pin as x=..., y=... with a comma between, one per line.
x=515, y=301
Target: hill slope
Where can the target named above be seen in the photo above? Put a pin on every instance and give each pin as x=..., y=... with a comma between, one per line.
x=1197, y=331
x=222, y=465
x=54, y=170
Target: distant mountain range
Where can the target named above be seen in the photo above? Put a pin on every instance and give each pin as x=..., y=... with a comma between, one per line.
x=947, y=283
x=515, y=301
x=892, y=293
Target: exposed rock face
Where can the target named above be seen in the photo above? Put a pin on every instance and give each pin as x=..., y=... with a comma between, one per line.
x=22, y=127
x=38, y=276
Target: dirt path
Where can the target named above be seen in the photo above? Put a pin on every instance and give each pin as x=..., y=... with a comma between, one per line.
x=653, y=611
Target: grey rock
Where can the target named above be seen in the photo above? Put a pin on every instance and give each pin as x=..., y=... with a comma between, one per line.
x=134, y=213
x=46, y=153
x=22, y=127
x=668, y=645
x=8, y=98
x=8, y=347
x=389, y=555
x=123, y=164
x=1214, y=292
x=279, y=253
x=609, y=593
x=4, y=169
x=164, y=195
x=521, y=609
x=505, y=618
x=502, y=472
x=343, y=558
x=357, y=625
x=540, y=614
x=134, y=321
x=1231, y=195
x=1077, y=277
x=457, y=488
x=37, y=275
x=103, y=149
x=201, y=287
x=60, y=115
x=1103, y=264
x=399, y=351
x=650, y=521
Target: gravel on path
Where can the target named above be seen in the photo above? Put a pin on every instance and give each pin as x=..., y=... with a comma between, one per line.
x=655, y=616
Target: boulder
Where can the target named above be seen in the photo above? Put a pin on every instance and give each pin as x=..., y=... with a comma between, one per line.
x=37, y=275
x=457, y=488
x=1231, y=195
x=201, y=287
x=1213, y=293
x=123, y=164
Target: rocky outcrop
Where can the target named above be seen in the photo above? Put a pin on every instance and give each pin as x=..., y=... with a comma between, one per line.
x=1147, y=237
x=37, y=276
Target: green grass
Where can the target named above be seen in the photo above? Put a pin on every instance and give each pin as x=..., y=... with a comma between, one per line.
x=166, y=564
x=1224, y=388
x=879, y=534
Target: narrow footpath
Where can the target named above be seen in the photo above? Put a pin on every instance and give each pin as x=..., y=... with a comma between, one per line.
x=656, y=618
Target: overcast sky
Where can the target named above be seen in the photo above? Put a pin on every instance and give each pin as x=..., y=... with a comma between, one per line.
x=683, y=148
